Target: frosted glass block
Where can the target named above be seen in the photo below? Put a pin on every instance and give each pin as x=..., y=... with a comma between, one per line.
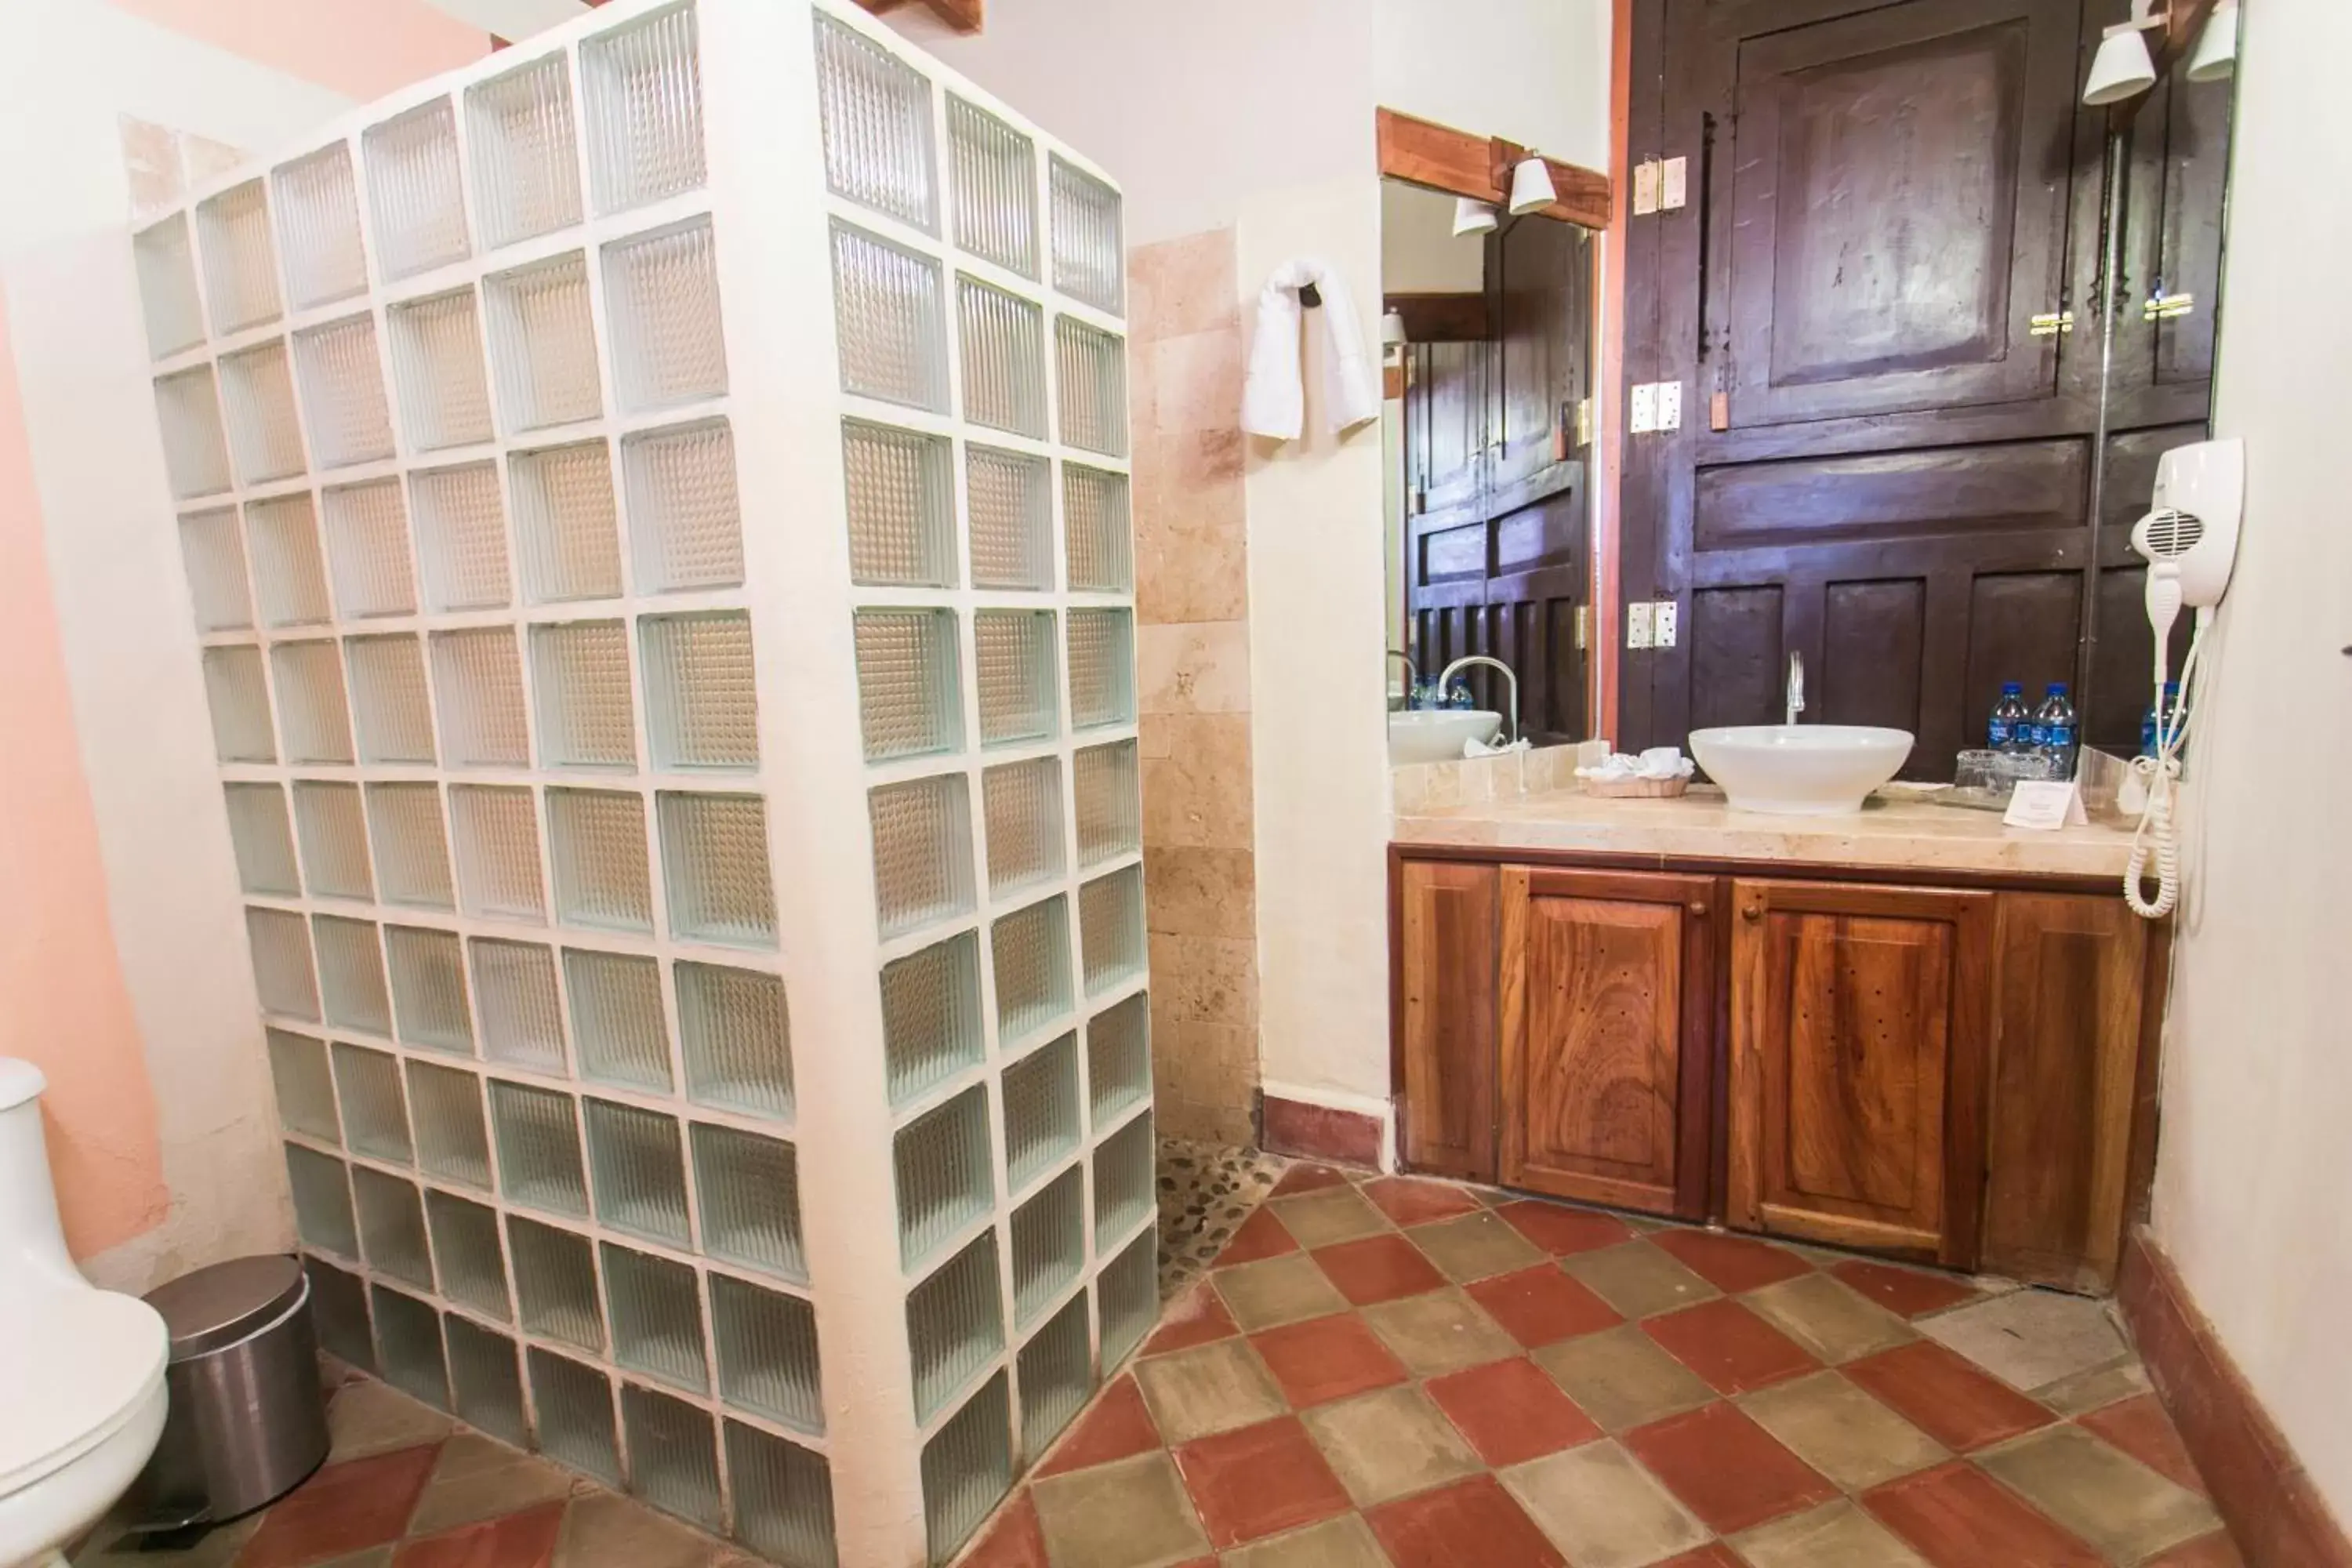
x=784, y=1498
x=1041, y=1111
x=966, y=1468
x=901, y=493
x=428, y=989
x=351, y=974
x=994, y=170
x=319, y=227
x=1031, y=952
x=367, y=549
x=555, y=1283
x=643, y=83
x=735, y=1036
x=1010, y=505
x=1110, y=801
x=461, y=536
x=264, y=841
x=1089, y=252
x=1003, y=337
x=1049, y=1244
x=195, y=446
x=767, y=1353
x=1091, y=386
x=597, y=844
x=715, y=868
x=496, y=834
x=657, y=1316
x=661, y=301
x=1127, y=1296
x=375, y=1112
x=876, y=110
x=1118, y=1057
x=749, y=1188
x=1102, y=668
x=686, y=528
x=437, y=364
x=343, y=403
x=702, y=706
x=567, y=536
x=1098, y=530
x=943, y=1163
x=408, y=1341
x=922, y=852
x=1023, y=805
x=289, y=571
x=478, y=687
x=543, y=344
x=580, y=674
x=334, y=841
x=167, y=264
x=1110, y=929
x=282, y=974
x=930, y=1015
x=240, y=274
x=909, y=701
x=617, y=1024
x=526, y=168
x=412, y=847
x=389, y=706
x=523, y=1017
x=891, y=321
x=485, y=1380
x=392, y=1227
x=306, y=1093
x=955, y=1324
x=339, y=1307
x=265, y=436
x=415, y=193
x=238, y=695
x=322, y=1202
x=575, y=1414
x=672, y=1455
x=1012, y=651
x=214, y=553
x=452, y=1139
x=538, y=1151
x=639, y=1165
x=1123, y=1181
x=465, y=1246
x=1056, y=1374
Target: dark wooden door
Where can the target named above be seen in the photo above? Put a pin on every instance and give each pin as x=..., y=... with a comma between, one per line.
x=1446, y=981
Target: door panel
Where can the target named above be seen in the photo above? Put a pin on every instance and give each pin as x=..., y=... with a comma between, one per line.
x=1446, y=981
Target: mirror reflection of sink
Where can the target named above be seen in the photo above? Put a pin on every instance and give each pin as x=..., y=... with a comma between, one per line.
x=1800, y=769
x=1435, y=734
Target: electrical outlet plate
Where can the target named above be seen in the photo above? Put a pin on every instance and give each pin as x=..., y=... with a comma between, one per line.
x=1644, y=417
x=1640, y=624
x=1663, y=618
x=1670, y=405
x=1674, y=185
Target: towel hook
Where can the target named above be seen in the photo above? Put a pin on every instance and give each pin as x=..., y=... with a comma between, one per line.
x=1309, y=296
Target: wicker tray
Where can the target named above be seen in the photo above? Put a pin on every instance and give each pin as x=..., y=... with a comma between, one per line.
x=1636, y=789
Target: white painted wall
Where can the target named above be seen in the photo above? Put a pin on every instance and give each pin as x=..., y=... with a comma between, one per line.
x=1420, y=253
x=2253, y=1165
x=1531, y=72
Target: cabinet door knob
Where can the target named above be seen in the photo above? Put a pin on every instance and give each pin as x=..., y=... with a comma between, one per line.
x=1698, y=908
x=1752, y=912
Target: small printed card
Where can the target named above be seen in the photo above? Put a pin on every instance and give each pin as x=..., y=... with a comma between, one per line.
x=2046, y=804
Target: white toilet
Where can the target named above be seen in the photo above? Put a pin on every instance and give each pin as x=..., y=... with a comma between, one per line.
x=81, y=1370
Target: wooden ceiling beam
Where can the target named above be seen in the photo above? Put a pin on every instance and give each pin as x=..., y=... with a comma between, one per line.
x=963, y=15
x=1423, y=152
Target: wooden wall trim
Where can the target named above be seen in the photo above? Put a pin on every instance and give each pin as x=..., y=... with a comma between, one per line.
x=1423, y=152
x=2265, y=1495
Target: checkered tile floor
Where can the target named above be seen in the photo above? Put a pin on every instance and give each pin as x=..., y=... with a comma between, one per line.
x=1387, y=1373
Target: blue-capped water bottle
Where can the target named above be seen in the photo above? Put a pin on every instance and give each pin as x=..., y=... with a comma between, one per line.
x=2011, y=718
x=2054, y=731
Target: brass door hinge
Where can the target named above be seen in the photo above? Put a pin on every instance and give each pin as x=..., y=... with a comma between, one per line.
x=2163, y=307
x=2051, y=324
x=1583, y=629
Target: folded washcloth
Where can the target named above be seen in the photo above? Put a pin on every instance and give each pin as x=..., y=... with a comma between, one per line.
x=1657, y=763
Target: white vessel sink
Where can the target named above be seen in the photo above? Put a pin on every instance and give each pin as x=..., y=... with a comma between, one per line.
x=1800, y=769
x=1435, y=734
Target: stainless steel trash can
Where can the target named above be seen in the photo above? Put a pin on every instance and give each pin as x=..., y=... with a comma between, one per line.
x=248, y=1419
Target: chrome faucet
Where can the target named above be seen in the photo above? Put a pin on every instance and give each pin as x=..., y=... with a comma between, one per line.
x=1796, y=686
x=1411, y=673
x=1445, y=677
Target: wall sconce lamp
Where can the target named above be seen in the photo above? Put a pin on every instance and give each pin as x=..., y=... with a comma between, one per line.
x=1531, y=189
x=1472, y=216
x=2123, y=68
x=2217, y=46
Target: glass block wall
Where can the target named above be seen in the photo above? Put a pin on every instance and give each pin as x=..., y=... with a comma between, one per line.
x=474, y=476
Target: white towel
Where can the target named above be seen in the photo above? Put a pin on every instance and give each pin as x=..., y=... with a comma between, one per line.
x=1274, y=399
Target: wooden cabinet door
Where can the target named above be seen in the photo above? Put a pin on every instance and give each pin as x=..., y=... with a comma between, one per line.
x=1858, y=1036
x=1607, y=1012
x=1445, y=991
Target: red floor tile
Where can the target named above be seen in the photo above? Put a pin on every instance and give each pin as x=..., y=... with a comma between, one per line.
x=1714, y=1554
x=1326, y=1359
x=1307, y=1178
x=1730, y=1263
x=1944, y=1397
x=343, y=1508
x=1259, y=1237
x=1907, y=1292
x=1542, y=1305
x=1116, y=1426
x=1510, y=1410
x=2140, y=1428
x=1730, y=1346
x=525, y=1540
x=1195, y=1317
x=1378, y=1268
x=2214, y=1550
x=1729, y=1470
x=1409, y=1199
x=1014, y=1541
x=1259, y=1482
x=1473, y=1524
x=1955, y=1516
x=1562, y=1231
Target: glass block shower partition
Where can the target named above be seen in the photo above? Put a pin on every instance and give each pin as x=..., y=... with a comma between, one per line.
x=655, y=507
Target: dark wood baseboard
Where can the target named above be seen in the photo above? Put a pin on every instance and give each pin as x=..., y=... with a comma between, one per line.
x=1319, y=1132
x=2263, y=1492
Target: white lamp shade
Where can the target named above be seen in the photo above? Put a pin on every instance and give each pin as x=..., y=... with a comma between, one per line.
x=1472, y=218
x=1392, y=328
x=1531, y=187
x=2217, y=46
x=2122, y=68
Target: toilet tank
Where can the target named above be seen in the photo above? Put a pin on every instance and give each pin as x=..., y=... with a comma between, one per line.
x=31, y=1241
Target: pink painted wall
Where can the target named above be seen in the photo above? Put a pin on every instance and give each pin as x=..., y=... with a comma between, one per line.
x=361, y=48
